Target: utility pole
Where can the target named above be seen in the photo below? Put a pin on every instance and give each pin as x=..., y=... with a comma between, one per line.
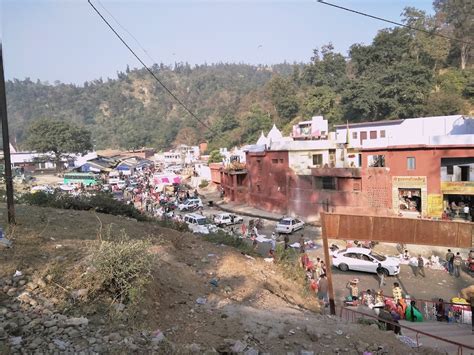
x=327, y=260
x=6, y=143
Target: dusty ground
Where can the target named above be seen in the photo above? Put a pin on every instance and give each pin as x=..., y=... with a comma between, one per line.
x=254, y=307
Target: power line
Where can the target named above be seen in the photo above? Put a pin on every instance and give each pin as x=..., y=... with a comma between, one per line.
x=150, y=71
x=129, y=33
x=432, y=33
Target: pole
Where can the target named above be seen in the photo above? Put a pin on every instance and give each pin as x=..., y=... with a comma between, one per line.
x=6, y=143
x=327, y=261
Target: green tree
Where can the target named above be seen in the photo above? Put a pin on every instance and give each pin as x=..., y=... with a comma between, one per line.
x=215, y=157
x=283, y=95
x=256, y=121
x=321, y=100
x=444, y=103
x=58, y=137
x=459, y=15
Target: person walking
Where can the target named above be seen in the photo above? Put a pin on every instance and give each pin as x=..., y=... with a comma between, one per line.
x=449, y=259
x=286, y=239
x=302, y=249
x=457, y=262
x=273, y=246
x=381, y=275
x=421, y=267
x=323, y=287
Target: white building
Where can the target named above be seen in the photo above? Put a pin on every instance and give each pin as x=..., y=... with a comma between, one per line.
x=439, y=130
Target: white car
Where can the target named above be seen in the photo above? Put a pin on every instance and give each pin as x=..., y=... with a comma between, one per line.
x=197, y=223
x=227, y=219
x=366, y=260
x=288, y=225
x=190, y=204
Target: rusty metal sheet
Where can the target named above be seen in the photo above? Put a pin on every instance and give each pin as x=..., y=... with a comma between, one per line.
x=398, y=230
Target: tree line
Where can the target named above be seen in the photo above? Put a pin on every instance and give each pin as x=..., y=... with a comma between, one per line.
x=403, y=73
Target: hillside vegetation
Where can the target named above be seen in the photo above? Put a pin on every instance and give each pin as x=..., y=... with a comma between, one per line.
x=401, y=74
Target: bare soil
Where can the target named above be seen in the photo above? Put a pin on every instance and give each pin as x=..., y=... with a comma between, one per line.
x=254, y=301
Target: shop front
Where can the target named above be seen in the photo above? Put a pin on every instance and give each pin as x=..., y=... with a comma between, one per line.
x=409, y=195
x=458, y=199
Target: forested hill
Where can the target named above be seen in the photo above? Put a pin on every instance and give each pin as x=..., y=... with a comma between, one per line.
x=401, y=74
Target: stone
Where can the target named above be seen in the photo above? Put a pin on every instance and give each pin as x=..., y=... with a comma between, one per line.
x=91, y=340
x=238, y=347
x=74, y=333
x=11, y=291
x=50, y=323
x=31, y=286
x=194, y=348
x=251, y=351
x=115, y=337
x=306, y=352
x=312, y=334
x=22, y=283
x=35, y=344
x=41, y=283
x=75, y=322
x=60, y=344
x=281, y=336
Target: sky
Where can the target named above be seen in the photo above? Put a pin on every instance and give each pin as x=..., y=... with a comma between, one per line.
x=66, y=40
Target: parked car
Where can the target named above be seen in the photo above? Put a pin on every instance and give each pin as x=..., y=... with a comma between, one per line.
x=190, y=204
x=197, y=223
x=227, y=219
x=121, y=184
x=366, y=260
x=288, y=225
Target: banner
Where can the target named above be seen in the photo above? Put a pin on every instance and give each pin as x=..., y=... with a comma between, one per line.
x=435, y=205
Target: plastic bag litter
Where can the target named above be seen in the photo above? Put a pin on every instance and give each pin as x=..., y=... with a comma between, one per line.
x=408, y=341
x=15, y=341
x=17, y=273
x=201, y=300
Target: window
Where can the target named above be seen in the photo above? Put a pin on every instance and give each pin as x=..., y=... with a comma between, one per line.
x=324, y=183
x=259, y=189
x=373, y=134
x=411, y=163
x=274, y=161
x=450, y=170
x=382, y=133
x=317, y=159
x=464, y=173
x=363, y=135
x=259, y=162
x=376, y=161
x=281, y=161
x=354, y=135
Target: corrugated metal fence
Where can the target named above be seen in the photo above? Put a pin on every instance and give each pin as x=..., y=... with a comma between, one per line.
x=398, y=230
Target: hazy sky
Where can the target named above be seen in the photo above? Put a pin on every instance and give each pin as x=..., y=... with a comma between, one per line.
x=66, y=40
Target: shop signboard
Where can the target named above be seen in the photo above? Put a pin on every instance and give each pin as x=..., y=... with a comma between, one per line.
x=435, y=205
x=457, y=187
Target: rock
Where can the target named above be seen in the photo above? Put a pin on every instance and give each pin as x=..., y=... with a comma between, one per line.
x=31, y=286
x=73, y=333
x=251, y=351
x=306, y=352
x=115, y=337
x=281, y=336
x=15, y=341
x=194, y=348
x=35, y=344
x=22, y=283
x=374, y=326
x=119, y=307
x=238, y=347
x=91, y=341
x=312, y=334
x=75, y=322
x=11, y=291
x=41, y=283
x=80, y=294
x=3, y=311
x=60, y=344
x=50, y=323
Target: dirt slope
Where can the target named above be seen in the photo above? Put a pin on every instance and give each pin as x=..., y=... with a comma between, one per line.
x=253, y=307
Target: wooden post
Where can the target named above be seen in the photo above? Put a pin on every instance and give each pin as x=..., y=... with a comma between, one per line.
x=327, y=261
x=6, y=144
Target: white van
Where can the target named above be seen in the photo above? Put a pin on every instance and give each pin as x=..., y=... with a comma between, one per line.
x=197, y=223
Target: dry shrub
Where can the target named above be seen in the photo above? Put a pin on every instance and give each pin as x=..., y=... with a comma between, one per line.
x=121, y=267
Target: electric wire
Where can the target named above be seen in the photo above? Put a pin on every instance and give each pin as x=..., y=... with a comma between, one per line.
x=432, y=33
x=150, y=71
x=128, y=32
